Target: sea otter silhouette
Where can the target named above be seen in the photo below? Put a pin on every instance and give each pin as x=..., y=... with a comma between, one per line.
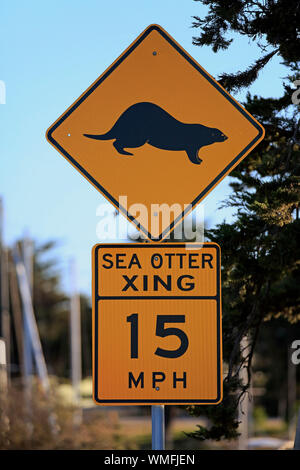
x=147, y=123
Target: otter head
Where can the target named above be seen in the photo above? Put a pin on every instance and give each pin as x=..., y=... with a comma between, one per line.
x=218, y=136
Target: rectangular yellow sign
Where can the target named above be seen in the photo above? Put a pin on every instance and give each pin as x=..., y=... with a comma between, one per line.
x=157, y=324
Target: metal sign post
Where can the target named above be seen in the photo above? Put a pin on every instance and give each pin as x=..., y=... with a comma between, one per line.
x=158, y=427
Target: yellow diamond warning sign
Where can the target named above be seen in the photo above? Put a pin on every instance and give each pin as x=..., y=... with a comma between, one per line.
x=155, y=131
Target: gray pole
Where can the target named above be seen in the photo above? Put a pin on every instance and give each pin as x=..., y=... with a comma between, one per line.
x=158, y=427
x=27, y=255
x=3, y=375
x=16, y=313
x=5, y=316
x=4, y=289
x=28, y=369
x=4, y=419
x=31, y=322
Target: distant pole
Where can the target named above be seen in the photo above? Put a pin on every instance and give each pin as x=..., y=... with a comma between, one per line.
x=16, y=312
x=158, y=427
x=3, y=371
x=27, y=255
x=26, y=250
x=31, y=322
x=4, y=418
x=75, y=340
x=5, y=318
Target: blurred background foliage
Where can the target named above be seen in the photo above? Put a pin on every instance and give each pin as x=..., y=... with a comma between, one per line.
x=260, y=249
x=260, y=262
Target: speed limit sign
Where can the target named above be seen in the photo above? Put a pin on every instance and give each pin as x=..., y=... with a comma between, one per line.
x=157, y=324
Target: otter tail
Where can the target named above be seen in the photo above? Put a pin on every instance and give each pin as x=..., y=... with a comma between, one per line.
x=108, y=136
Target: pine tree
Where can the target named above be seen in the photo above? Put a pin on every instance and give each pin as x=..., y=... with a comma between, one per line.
x=261, y=249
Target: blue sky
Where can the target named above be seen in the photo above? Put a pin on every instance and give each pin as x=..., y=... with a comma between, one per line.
x=50, y=52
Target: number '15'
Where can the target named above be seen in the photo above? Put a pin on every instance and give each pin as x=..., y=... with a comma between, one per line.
x=162, y=332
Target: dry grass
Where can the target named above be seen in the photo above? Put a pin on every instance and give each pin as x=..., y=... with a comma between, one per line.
x=49, y=424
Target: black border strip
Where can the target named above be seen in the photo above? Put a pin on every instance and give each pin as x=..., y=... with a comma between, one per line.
x=96, y=324
x=153, y=297
x=101, y=79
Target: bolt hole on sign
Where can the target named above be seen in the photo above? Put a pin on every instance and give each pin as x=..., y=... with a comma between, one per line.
x=155, y=129
x=157, y=324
